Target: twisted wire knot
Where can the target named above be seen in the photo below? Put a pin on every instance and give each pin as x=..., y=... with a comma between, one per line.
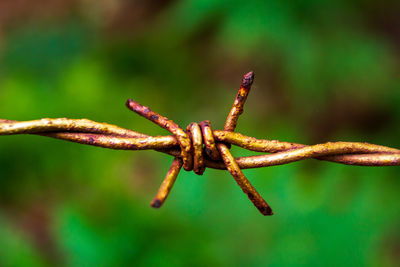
x=202, y=145
x=191, y=144
x=196, y=143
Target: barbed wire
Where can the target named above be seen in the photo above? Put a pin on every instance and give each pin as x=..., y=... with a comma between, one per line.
x=200, y=146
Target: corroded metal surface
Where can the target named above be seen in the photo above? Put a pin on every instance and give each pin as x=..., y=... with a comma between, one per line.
x=167, y=184
x=199, y=146
x=181, y=136
x=229, y=160
x=194, y=132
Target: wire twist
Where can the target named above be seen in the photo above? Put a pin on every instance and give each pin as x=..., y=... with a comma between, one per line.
x=200, y=146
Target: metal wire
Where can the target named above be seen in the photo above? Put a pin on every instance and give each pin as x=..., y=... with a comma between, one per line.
x=200, y=147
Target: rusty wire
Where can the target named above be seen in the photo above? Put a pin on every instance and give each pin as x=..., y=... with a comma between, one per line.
x=199, y=146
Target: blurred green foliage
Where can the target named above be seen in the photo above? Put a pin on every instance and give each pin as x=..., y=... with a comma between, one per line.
x=325, y=70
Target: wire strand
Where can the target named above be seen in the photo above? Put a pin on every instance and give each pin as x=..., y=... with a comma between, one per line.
x=200, y=147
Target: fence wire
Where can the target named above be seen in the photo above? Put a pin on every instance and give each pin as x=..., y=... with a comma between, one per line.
x=200, y=147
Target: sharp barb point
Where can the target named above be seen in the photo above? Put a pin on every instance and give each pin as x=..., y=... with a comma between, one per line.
x=248, y=79
x=156, y=203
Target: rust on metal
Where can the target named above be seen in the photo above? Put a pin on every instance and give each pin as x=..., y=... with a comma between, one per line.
x=229, y=160
x=209, y=141
x=243, y=182
x=200, y=147
x=194, y=132
x=167, y=184
x=164, y=122
x=237, y=107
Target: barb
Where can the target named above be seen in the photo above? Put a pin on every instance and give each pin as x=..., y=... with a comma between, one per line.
x=200, y=147
x=230, y=163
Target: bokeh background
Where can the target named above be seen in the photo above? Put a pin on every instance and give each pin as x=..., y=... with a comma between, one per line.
x=325, y=71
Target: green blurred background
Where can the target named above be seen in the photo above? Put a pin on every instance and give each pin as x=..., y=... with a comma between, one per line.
x=325, y=71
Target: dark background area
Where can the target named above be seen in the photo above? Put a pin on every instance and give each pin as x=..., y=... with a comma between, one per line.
x=325, y=71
